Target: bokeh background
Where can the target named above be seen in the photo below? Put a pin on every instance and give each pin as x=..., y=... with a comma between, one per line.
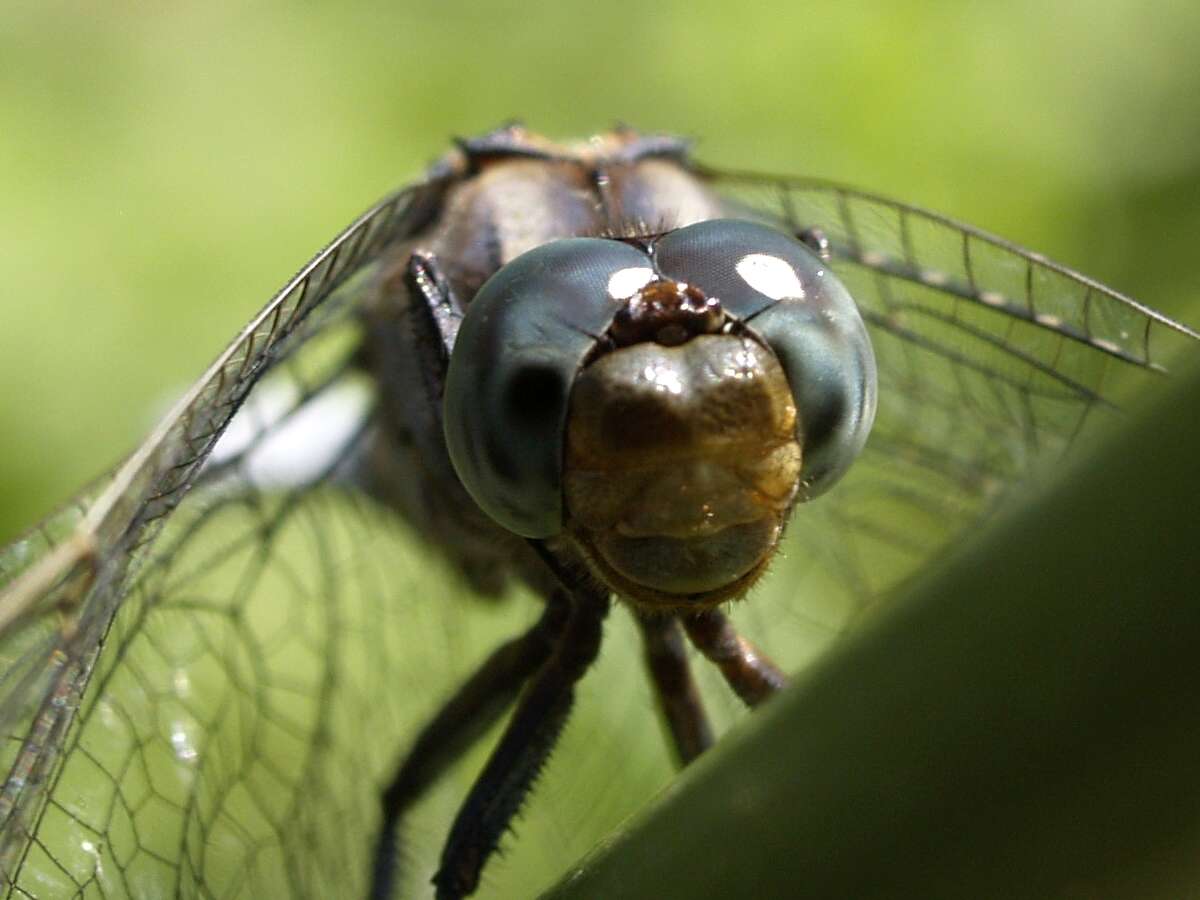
x=164, y=167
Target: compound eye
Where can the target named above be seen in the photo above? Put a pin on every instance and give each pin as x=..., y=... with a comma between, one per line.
x=745, y=265
x=523, y=338
x=790, y=298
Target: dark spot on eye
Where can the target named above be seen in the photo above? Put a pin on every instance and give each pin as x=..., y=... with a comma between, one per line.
x=534, y=396
x=821, y=423
x=499, y=460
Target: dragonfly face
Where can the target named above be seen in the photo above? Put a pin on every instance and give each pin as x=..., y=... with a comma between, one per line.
x=642, y=401
x=590, y=369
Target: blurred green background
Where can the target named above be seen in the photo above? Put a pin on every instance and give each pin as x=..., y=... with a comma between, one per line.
x=164, y=167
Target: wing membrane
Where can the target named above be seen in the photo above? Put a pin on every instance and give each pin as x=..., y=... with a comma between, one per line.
x=281, y=641
x=63, y=583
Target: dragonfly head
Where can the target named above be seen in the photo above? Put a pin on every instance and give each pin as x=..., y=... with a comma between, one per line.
x=662, y=402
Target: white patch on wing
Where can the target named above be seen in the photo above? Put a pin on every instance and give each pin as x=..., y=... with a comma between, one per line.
x=286, y=446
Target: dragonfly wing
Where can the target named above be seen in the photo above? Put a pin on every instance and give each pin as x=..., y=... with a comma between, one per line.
x=62, y=584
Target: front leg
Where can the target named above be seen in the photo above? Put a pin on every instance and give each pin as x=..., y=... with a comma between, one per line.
x=467, y=715
x=438, y=310
x=523, y=749
x=752, y=675
x=678, y=696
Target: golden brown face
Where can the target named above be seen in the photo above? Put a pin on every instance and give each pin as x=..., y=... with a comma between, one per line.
x=681, y=467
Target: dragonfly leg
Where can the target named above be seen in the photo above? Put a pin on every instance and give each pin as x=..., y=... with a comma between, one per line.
x=678, y=697
x=434, y=300
x=467, y=715
x=752, y=676
x=523, y=749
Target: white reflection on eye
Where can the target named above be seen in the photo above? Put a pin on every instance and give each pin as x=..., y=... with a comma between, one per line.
x=770, y=275
x=624, y=283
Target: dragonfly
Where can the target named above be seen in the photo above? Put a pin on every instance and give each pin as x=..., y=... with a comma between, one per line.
x=546, y=375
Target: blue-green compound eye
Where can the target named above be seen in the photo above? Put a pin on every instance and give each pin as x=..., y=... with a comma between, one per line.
x=522, y=341
x=789, y=297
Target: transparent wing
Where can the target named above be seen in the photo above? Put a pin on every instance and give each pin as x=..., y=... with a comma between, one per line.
x=220, y=725
x=68, y=589
x=992, y=360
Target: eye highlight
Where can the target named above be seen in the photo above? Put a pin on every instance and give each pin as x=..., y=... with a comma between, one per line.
x=624, y=283
x=771, y=276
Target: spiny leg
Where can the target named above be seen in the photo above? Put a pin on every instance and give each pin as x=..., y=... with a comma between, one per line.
x=524, y=748
x=473, y=709
x=437, y=308
x=678, y=697
x=752, y=676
